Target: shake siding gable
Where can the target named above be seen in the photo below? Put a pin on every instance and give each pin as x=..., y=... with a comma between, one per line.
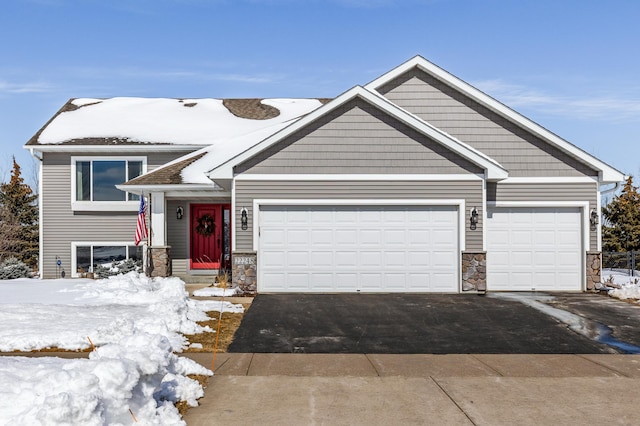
x=247, y=191
x=357, y=138
x=519, y=151
x=61, y=226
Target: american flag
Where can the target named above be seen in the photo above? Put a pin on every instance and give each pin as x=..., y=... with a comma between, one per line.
x=141, y=227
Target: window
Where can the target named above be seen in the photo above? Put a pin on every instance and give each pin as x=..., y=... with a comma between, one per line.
x=96, y=179
x=88, y=256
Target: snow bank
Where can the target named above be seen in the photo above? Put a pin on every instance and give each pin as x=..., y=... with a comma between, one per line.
x=104, y=311
x=626, y=291
x=136, y=376
x=136, y=322
x=629, y=285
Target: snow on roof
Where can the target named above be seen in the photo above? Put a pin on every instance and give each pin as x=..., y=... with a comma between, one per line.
x=163, y=120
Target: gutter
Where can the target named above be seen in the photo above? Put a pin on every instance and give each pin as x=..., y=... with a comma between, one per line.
x=40, y=212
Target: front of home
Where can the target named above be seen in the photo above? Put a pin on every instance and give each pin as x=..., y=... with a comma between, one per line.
x=415, y=182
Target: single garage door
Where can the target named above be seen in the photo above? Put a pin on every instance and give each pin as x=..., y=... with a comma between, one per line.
x=534, y=249
x=358, y=248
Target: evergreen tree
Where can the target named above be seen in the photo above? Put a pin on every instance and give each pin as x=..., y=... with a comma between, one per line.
x=18, y=220
x=621, y=227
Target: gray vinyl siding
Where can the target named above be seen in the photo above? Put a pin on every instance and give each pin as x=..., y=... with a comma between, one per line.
x=357, y=138
x=516, y=149
x=547, y=192
x=61, y=226
x=247, y=191
x=178, y=236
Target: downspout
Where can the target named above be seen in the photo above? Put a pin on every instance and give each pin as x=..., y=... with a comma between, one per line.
x=40, y=215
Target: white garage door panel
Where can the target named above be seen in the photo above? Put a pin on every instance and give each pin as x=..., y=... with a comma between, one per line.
x=358, y=248
x=534, y=249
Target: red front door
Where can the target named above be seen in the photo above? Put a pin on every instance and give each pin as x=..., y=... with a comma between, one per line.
x=206, y=236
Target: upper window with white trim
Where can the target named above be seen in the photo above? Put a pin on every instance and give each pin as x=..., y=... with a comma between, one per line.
x=94, y=181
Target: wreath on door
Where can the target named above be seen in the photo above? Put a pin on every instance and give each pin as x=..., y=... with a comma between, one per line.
x=205, y=225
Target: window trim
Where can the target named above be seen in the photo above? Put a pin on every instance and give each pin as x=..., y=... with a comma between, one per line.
x=112, y=206
x=76, y=244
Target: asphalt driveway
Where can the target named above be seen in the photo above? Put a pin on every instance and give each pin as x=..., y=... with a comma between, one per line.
x=427, y=324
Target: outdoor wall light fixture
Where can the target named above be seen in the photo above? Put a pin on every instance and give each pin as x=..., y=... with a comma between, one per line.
x=244, y=218
x=593, y=219
x=473, y=219
x=179, y=212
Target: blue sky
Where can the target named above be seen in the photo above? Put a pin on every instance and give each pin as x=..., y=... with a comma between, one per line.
x=570, y=65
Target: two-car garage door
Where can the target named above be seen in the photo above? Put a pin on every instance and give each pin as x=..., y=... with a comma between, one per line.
x=358, y=248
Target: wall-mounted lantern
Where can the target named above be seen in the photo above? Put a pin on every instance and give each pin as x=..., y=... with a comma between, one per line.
x=179, y=212
x=473, y=219
x=244, y=218
x=593, y=219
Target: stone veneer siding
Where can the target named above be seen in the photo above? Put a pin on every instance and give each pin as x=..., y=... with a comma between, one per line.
x=159, y=261
x=244, y=272
x=594, y=273
x=474, y=271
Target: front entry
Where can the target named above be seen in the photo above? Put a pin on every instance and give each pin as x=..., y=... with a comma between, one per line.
x=210, y=236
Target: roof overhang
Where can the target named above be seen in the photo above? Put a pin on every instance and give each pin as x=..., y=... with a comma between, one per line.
x=493, y=170
x=607, y=174
x=110, y=148
x=191, y=190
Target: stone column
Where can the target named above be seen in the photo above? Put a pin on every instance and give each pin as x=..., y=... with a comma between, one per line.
x=474, y=271
x=244, y=271
x=594, y=273
x=159, y=261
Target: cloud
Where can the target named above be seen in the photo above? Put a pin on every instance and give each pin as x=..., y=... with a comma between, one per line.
x=30, y=87
x=609, y=106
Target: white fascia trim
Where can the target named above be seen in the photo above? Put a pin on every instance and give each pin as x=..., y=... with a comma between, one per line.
x=583, y=205
x=560, y=179
x=137, y=189
x=359, y=177
x=459, y=203
x=608, y=173
x=492, y=169
x=537, y=204
x=88, y=149
x=105, y=206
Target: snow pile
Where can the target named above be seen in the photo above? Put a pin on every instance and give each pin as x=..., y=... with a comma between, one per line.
x=215, y=292
x=132, y=377
x=104, y=311
x=136, y=379
x=626, y=291
x=626, y=286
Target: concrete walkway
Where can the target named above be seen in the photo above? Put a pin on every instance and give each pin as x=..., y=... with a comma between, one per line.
x=358, y=389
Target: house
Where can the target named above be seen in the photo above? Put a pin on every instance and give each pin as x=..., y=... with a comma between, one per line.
x=415, y=182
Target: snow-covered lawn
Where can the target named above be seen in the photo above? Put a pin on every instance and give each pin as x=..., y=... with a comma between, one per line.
x=628, y=287
x=137, y=324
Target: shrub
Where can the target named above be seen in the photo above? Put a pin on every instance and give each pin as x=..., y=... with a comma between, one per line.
x=117, y=268
x=12, y=268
